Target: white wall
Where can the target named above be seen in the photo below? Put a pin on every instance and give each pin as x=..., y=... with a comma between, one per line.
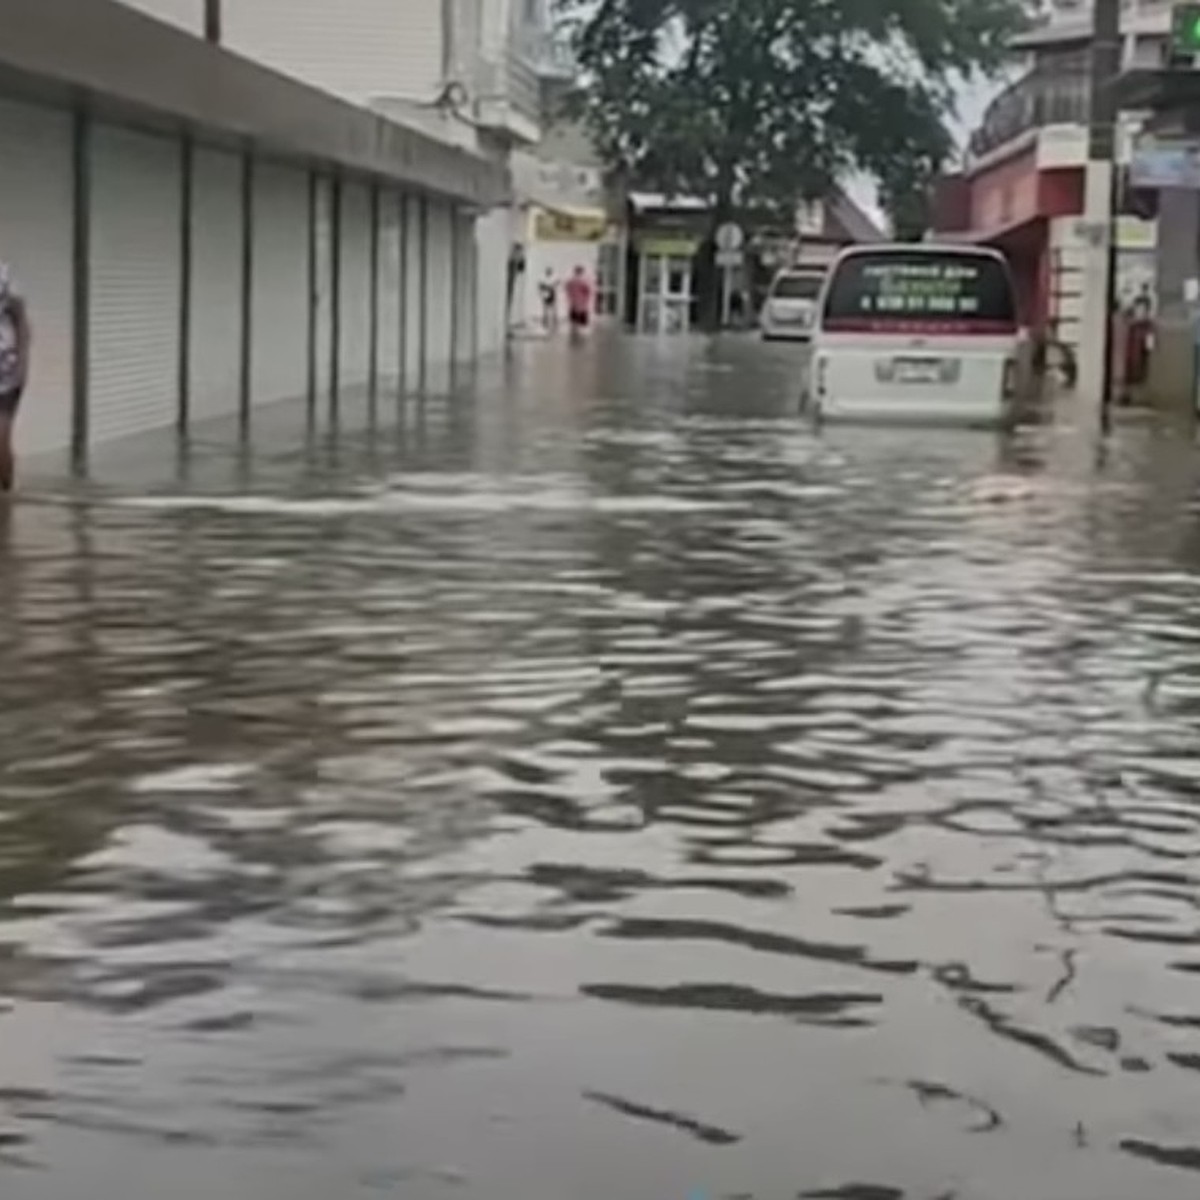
x=358, y=49
x=1136, y=263
x=187, y=14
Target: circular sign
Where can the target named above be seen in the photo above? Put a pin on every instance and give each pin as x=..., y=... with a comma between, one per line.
x=730, y=237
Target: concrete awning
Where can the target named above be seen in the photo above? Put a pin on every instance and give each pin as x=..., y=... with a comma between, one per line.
x=117, y=62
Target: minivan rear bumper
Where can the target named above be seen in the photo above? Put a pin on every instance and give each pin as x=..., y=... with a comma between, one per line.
x=923, y=410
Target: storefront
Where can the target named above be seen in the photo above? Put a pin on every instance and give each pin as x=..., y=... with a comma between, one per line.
x=560, y=240
x=190, y=256
x=665, y=275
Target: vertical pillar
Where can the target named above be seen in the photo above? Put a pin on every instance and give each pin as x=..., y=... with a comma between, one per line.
x=404, y=263
x=247, y=355
x=212, y=21
x=473, y=288
x=81, y=236
x=373, y=359
x=187, y=169
x=335, y=294
x=455, y=288
x=1095, y=365
x=314, y=297
x=423, y=292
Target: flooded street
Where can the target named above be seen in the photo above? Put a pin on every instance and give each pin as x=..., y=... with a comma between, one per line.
x=603, y=789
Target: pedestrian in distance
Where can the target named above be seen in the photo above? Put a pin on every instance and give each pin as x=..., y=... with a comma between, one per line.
x=579, y=302
x=15, y=340
x=549, y=292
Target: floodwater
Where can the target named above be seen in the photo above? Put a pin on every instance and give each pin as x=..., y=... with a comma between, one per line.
x=600, y=788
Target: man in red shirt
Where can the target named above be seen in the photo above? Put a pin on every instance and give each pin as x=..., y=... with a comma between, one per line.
x=579, y=300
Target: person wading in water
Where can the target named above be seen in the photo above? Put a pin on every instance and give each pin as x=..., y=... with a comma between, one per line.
x=579, y=302
x=14, y=368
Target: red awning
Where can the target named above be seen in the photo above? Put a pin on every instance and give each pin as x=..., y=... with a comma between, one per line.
x=1015, y=238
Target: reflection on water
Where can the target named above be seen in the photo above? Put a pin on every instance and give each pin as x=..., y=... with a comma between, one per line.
x=603, y=790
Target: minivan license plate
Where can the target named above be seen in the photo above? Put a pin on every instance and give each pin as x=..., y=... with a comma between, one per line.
x=918, y=370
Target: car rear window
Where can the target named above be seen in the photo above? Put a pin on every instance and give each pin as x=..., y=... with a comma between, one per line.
x=797, y=287
x=947, y=288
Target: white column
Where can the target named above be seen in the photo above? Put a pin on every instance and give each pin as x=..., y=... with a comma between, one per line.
x=1093, y=337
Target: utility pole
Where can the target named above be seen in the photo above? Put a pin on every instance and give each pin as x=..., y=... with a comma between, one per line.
x=212, y=21
x=1095, y=348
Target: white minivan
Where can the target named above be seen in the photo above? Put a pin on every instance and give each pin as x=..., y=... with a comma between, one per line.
x=918, y=332
x=791, y=304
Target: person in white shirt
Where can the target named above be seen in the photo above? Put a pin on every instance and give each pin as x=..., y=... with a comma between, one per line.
x=14, y=368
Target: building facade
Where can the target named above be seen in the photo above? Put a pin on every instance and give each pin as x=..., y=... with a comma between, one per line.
x=567, y=219
x=1022, y=185
x=316, y=206
x=476, y=74
x=666, y=286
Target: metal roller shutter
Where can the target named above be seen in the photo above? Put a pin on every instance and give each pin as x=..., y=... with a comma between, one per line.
x=215, y=319
x=135, y=277
x=413, y=301
x=440, y=290
x=279, y=288
x=324, y=287
x=389, y=290
x=355, y=285
x=36, y=199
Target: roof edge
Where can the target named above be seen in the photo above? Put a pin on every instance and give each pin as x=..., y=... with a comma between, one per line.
x=104, y=57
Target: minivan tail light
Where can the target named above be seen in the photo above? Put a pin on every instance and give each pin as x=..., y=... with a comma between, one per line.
x=1010, y=378
x=822, y=375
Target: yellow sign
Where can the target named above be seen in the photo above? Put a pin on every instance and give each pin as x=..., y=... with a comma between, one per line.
x=557, y=226
x=1136, y=234
x=669, y=246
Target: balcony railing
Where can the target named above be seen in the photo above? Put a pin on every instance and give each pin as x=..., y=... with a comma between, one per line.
x=1038, y=99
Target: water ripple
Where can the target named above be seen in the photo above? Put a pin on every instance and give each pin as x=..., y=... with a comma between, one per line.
x=600, y=785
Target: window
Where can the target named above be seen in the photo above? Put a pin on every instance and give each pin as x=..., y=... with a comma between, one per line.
x=797, y=287
x=965, y=290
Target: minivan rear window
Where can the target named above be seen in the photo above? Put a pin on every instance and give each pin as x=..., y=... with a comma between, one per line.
x=954, y=291
x=797, y=287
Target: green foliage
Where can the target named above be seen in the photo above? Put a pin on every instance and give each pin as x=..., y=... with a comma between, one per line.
x=775, y=99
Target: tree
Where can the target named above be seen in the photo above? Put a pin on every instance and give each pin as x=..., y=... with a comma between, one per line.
x=774, y=100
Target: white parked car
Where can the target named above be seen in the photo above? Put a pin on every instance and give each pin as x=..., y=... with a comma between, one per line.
x=916, y=332
x=791, y=305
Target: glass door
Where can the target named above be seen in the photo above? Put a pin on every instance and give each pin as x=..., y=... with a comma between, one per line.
x=677, y=294
x=650, y=287
x=665, y=300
